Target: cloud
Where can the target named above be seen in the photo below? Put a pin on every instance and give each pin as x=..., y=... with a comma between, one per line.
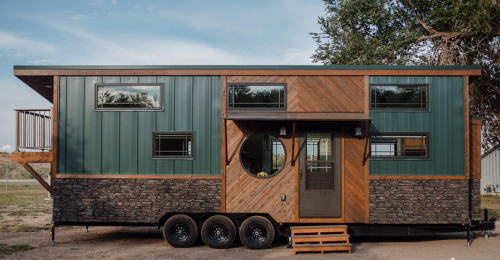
x=98, y=2
x=1, y=54
x=23, y=46
x=114, y=2
x=6, y=148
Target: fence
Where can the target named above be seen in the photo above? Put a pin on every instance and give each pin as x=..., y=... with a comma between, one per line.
x=11, y=173
x=33, y=129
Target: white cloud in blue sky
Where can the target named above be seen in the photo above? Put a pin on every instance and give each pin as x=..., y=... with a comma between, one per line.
x=120, y=32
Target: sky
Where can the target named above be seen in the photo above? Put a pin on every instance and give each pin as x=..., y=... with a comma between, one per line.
x=162, y=32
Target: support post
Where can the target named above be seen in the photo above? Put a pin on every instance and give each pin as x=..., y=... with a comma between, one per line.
x=293, y=144
x=225, y=137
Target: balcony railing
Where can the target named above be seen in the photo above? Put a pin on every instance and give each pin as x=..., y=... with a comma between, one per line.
x=34, y=129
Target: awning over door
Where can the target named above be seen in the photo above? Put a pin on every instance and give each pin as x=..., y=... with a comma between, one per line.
x=297, y=116
x=302, y=117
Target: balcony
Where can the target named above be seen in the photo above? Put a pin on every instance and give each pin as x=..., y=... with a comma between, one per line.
x=33, y=136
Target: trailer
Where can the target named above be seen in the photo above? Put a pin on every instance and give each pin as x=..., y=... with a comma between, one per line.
x=311, y=152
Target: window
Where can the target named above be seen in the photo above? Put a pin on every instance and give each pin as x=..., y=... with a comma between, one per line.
x=262, y=155
x=400, y=145
x=257, y=96
x=172, y=145
x=129, y=96
x=413, y=97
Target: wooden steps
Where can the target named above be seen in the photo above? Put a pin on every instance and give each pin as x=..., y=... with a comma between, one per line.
x=322, y=239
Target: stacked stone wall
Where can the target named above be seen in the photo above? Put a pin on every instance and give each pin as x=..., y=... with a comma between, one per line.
x=422, y=201
x=132, y=200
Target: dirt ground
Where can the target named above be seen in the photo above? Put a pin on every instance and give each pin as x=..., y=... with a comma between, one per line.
x=148, y=243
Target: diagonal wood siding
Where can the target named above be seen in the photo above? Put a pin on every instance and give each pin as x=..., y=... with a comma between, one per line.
x=316, y=93
x=247, y=194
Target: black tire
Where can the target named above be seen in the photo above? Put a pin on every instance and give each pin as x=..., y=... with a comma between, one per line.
x=180, y=231
x=218, y=232
x=257, y=232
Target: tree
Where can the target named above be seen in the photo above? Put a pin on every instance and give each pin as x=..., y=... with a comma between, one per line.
x=420, y=32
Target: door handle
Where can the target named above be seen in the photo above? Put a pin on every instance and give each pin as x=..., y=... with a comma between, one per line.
x=300, y=172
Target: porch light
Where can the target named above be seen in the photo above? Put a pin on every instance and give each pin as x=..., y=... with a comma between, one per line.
x=283, y=130
x=358, y=131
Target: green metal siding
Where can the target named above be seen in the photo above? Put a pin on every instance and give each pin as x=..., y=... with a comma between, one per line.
x=107, y=142
x=444, y=122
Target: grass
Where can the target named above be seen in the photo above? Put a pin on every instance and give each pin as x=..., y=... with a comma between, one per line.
x=9, y=250
x=492, y=203
x=20, y=202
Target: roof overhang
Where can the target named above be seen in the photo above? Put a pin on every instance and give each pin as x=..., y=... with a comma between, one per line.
x=296, y=116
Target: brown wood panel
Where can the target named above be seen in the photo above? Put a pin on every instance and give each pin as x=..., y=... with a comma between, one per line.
x=32, y=157
x=355, y=183
x=248, y=194
x=475, y=148
x=232, y=72
x=223, y=148
x=55, y=112
x=316, y=93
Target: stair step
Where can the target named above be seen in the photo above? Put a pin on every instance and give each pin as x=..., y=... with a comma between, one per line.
x=320, y=238
x=323, y=226
x=318, y=229
x=325, y=247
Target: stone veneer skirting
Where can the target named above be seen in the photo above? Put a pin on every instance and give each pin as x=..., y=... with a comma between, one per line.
x=132, y=200
x=422, y=201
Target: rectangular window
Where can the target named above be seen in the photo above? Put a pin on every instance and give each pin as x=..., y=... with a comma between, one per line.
x=129, y=96
x=414, y=97
x=172, y=145
x=391, y=145
x=256, y=96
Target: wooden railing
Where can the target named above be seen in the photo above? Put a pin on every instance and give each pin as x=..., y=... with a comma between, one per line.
x=34, y=129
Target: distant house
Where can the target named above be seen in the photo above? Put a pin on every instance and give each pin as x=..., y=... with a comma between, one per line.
x=490, y=165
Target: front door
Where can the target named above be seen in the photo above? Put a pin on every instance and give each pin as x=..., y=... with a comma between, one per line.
x=320, y=187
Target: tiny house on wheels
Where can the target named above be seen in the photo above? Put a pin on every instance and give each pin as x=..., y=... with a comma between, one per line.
x=257, y=151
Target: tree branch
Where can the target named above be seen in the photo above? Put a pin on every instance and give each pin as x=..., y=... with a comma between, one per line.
x=419, y=17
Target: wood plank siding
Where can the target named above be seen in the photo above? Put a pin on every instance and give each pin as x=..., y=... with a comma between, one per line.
x=248, y=194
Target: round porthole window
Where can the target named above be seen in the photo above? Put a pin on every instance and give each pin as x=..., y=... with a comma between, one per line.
x=262, y=155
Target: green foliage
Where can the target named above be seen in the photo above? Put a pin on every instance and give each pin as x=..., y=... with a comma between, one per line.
x=419, y=32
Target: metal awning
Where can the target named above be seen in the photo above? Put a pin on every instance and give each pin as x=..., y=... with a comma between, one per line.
x=297, y=116
x=302, y=117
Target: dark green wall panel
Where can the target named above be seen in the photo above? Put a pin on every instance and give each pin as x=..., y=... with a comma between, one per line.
x=444, y=122
x=108, y=142
x=110, y=137
x=61, y=124
x=92, y=129
x=74, y=124
x=165, y=121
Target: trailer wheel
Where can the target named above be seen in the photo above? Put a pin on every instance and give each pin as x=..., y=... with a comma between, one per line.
x=257, y=232
x=218, y=232
x=180, y=231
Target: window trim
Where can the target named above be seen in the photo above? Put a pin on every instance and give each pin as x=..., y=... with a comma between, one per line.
x=427, y=146
x=268, y=176
x=426, y=85
x=154, y=156
x=97, y=85
x=238, y=109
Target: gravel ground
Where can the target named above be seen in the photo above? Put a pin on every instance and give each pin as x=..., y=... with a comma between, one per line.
x=148, y=243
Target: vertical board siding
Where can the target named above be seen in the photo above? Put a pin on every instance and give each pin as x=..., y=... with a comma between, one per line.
x=61, y=131
x=92, y=146
x=444, y=122
x=109, y=142
x=110, y=137
x=74, y=124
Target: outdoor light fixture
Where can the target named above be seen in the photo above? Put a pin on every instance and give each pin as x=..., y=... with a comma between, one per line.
x=358, y=131
x=282, y=130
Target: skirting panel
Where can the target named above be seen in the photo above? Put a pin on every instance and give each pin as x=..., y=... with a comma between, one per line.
x=132, y=200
